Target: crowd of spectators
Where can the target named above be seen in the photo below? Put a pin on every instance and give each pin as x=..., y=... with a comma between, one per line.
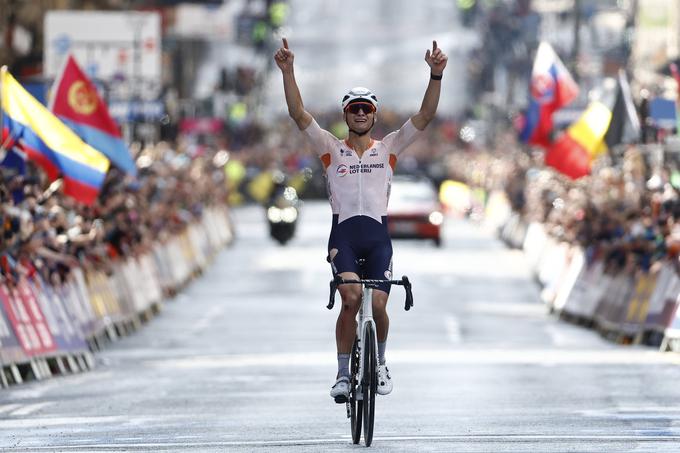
x=46, y=232
x=626, y=213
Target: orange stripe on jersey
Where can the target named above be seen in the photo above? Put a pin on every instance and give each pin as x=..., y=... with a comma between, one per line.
x=393, y=161
x=326, y=160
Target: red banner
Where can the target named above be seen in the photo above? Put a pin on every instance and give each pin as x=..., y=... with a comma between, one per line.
x=27, y=319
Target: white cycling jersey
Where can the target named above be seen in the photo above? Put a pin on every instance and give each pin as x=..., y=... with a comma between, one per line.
x=360, y=186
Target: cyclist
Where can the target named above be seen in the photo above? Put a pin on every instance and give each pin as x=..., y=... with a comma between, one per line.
x=358, y=173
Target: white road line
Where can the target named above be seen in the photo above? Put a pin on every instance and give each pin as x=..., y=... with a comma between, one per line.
x=491, y=438
x=480, y=356
x=29, y=409
x=208, y=318
x=453, y=330
x=61, y=421
x=8, y=407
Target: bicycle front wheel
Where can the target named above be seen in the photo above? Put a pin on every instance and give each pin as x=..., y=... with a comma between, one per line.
x=370, y=382
x=355, y=406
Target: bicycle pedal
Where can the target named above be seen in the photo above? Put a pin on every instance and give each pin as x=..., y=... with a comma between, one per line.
x=349, y=413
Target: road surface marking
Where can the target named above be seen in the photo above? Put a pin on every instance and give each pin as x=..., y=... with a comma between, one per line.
x=8, y=407
x=62, y=421
x=29, y=409
x=491, y=438
x=205, y=321
x=453, y=331
x=477, y=356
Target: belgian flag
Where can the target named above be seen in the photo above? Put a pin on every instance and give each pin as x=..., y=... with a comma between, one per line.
x=609, y=120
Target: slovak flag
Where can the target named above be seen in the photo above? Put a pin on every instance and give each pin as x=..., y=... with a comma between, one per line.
x=551, y=88
x=76, y=102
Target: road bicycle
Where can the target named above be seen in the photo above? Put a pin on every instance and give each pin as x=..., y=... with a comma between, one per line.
x=364, y=356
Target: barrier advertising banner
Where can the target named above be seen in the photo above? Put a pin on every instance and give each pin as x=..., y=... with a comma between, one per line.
x=27, y=321
x=66, y=332
x=638, y=305
x=23, y=291
x=660, y=310
x=76, y=292
x=670, y=315
x=10, y=349
x=612, y=308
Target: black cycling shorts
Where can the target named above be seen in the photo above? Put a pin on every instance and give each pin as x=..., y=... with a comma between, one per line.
x=362, y=237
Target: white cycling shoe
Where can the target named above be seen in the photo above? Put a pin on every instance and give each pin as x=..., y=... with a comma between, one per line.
x=340, y=390
x=384, y=380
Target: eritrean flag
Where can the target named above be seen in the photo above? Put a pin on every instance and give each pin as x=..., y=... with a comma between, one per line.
x=49, y=142
x=552, y=88
x=76, y=102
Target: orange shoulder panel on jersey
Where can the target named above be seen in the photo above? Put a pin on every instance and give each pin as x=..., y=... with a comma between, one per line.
x=393, y=161
x=326, y=160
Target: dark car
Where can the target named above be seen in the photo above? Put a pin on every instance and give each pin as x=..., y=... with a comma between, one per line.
x=414, y=210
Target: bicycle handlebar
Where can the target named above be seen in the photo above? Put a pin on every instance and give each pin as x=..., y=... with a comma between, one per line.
x=337, y=281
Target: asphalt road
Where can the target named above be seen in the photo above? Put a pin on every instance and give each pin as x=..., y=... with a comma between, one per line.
x=243, y=361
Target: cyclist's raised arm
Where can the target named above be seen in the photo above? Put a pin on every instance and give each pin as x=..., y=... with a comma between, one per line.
x=436, y=60
x=284, y=60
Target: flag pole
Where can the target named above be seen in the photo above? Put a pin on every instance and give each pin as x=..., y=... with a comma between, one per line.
x=3, y=70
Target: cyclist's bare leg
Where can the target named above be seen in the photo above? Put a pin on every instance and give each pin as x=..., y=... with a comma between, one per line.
x=346, y=326
x=382, y=321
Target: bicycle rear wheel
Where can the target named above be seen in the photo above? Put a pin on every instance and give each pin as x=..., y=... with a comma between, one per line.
x=354, y=405
x=370, y=382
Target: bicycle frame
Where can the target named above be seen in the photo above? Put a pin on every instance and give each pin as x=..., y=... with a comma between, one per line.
x=362, y=394
x=366, y=309
x=365, y=318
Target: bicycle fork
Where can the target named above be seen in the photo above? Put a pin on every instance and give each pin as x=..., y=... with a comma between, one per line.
x=365, y=318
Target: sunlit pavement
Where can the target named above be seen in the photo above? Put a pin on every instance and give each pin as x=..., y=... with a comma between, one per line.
x=243, y=361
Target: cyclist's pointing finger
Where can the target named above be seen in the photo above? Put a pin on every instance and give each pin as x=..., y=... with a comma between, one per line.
x=285, y=43
x=434, y=46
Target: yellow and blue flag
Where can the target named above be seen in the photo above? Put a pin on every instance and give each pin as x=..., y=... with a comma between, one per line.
x=49, y=142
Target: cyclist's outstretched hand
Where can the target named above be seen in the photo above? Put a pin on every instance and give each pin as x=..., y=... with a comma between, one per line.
x=436, y=59
x=284, y=57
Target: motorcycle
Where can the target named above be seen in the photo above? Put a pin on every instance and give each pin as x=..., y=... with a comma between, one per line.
x=282, y=214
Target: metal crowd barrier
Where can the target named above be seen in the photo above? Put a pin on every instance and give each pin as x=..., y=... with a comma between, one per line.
x=48, y=329
x=629, y=305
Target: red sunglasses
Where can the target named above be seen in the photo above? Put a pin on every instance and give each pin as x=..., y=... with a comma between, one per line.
x=354, y=107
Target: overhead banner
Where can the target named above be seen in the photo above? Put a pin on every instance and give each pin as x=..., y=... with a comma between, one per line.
x=120, y=48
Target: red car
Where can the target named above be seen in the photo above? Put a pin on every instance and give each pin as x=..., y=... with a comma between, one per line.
x=414, y=210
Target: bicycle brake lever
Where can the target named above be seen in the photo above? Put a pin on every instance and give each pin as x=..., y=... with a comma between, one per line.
x=331, y=300
x=334, y=286
x=409, y=294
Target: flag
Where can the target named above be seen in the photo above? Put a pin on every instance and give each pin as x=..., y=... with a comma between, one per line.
x=14, y=160
x=574, y=151
x=625, y=124
x=49, y=142
x=675, y=72
x=551, y=88
x=76, y=102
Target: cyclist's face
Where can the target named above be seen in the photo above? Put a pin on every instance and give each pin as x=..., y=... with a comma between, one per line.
x=360, y=116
